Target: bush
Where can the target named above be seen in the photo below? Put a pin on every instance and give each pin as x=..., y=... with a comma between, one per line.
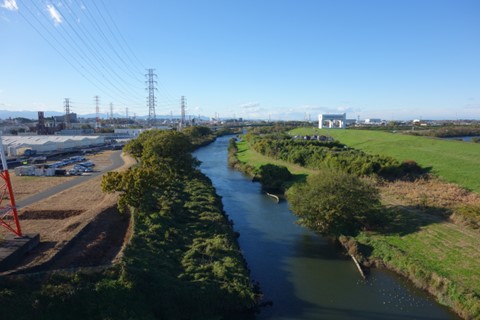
x=335, y=203
x=468, y=215
x=273, y=178
x=316, y=154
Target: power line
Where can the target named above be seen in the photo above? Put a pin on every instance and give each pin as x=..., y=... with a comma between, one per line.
x=98, y=45
x=100, y=59
x=106, y=62
x=140, y=65
x=75, y=62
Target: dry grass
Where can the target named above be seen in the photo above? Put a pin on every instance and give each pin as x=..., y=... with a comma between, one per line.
x=60, y=226
x=430, y=242
x=430, y=192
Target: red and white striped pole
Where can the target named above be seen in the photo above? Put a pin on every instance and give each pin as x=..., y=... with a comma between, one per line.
x=8, y=211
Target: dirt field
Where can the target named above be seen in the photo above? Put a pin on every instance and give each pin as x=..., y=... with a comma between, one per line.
x=78, y=227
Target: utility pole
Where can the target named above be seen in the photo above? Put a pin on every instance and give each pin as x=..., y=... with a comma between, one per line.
x=151, y=99
x=8, y=212
x=97, y=112
x=111, y=113
x=67, y=113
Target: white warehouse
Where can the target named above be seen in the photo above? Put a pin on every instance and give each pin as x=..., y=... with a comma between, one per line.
x=328, y=120
x=14, y=145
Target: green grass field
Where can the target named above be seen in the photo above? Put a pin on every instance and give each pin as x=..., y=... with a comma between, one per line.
x=449, y=250
x=454, y=161
x=439, y=256
x=247, y=155
x=433, y=252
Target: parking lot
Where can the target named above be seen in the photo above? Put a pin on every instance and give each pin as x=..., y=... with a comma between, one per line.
x=26, y=185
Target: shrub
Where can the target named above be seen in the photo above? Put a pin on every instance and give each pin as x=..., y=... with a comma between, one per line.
x=273, y=178
x=335, y=203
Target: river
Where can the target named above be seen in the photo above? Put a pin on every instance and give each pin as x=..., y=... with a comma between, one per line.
x=304, y=275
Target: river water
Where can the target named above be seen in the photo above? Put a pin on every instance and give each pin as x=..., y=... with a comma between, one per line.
x=304, y=275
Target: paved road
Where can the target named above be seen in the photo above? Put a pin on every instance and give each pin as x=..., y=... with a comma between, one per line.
x=117, y=162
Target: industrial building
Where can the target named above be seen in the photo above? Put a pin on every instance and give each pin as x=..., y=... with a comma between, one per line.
x=332, y=120
x=15, y=145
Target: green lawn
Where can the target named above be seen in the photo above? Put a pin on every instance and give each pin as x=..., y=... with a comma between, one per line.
x=454, y=161
x=247, y=155
x=440, y=256
x=447, y=249
x=433, y=252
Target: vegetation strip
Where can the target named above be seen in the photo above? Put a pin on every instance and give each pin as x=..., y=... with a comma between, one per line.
x=182, y=262
x=413, y=234
x=454, y=161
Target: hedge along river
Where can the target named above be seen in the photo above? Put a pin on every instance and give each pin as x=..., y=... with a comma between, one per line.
x=304, y=275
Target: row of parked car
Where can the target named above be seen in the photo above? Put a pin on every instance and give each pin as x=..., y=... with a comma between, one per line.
x=81, y=168
x=67, y=161
x=81, y=165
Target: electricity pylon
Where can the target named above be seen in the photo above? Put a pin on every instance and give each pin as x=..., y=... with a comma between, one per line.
x=8, y=208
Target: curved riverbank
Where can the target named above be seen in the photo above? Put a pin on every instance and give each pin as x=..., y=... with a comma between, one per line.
x=182, y=261
x=416, y=265
x=305, y=275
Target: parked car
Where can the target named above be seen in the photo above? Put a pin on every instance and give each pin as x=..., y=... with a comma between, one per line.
x=74, y=172
x=81, y=168
x=87, y=164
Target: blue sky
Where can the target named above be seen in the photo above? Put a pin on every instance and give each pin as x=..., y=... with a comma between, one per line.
x=277, y=59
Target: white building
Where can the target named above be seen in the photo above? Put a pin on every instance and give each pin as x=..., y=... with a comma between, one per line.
x=49, y=143
x=373, y=121
x=129, y=132
x=337, y=121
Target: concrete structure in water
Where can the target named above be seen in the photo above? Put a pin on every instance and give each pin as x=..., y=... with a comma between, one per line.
x=337, y=121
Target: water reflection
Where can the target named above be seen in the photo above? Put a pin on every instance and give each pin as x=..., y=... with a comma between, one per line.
x=304, y=275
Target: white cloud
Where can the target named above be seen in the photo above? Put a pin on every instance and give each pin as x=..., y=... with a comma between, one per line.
x=250, y=105
x=54, y=14
x=10, y=5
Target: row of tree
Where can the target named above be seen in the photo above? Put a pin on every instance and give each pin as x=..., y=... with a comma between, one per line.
x=340, y=199
x=316, y=155
x=183, y=253
x=182, y=262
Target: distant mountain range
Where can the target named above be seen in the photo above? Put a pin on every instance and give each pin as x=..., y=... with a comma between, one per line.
x=6, y=114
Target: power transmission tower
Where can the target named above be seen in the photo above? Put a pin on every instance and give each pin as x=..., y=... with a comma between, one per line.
x=111, y=113
x=67, y=113
x=151, y=99
x=97, y=112
x=126, y=112
x=182, y=118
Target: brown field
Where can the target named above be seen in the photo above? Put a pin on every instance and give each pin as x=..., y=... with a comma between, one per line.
x=81, y=220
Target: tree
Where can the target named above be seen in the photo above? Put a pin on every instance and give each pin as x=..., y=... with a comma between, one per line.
x=273, y=177
x=171, y=149
x=165, y=160
x=335, y=203
x=197, y=131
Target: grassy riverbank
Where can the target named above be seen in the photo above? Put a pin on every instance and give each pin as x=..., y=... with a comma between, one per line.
x=182, y=262
x=454, y=161
x=421, y=243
